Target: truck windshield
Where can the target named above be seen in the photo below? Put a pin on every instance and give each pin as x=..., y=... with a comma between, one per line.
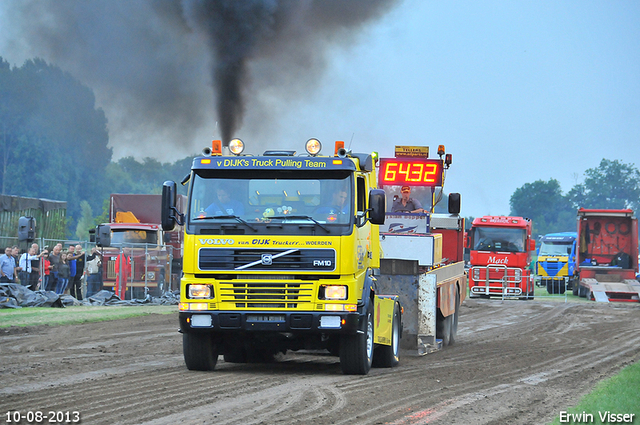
x=271, y=197
x=498, y=239
x=555, y=248
x=133, y=236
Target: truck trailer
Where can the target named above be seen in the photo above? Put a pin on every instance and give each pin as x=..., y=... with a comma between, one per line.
x=608, y=255
x=283, y=252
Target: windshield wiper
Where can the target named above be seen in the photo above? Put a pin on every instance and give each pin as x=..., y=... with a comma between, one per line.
x=301, y=217
x=235, y=217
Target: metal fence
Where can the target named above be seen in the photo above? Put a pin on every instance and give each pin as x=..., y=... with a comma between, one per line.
x=143, y=269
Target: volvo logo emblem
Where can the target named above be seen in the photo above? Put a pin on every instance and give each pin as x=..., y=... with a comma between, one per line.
x=267, y=259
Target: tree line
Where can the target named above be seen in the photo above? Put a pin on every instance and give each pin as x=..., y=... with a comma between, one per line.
x=54, y=145
x=611, y=185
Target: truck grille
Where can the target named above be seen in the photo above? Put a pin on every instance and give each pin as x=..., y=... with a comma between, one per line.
x=552, y=267
x=214, y=259
x=266, y=295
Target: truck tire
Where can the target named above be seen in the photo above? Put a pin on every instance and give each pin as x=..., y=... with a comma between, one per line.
x=387, y=355
x=582, y=291
x=356, y=351
x=443, y=328
x=200, y=351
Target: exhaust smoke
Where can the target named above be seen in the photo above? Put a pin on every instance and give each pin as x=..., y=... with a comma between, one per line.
x=165, y=69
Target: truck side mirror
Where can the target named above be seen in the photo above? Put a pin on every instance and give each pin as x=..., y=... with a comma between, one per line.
x=467, y=242
x=103, y=235
x=26, y=229
x=377, y=206
x=167, y=219
x=532, y=245
x=454, y=203
x=92, y=235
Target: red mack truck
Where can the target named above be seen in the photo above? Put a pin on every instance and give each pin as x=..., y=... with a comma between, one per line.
x=607, y=261
x=153, y=257
x=500, y=256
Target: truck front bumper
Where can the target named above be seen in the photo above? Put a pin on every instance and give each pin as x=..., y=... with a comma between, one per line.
x=270, y=321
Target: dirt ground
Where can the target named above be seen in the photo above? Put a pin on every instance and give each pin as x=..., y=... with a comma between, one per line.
x=516, y=362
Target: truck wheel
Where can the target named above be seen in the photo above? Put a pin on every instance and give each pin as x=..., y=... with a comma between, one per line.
x=582, y=291
x=356, y=351
x=443, y=328
x=560, y=286
x=387, y=355
x=550, y=287
x=200, y=352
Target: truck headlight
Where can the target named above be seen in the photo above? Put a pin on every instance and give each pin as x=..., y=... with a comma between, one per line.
x=476, y=273
x=333, y=292
x=518, y=275
x=151, y=275
x=199, y=291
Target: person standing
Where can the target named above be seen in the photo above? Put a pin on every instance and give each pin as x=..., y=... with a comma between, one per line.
x=26, y=268
x=46, y=266
x=93, y=262
x=63, y=274
x=75, y=281
x=55, y=259
x=7, y=266
x=15, y=253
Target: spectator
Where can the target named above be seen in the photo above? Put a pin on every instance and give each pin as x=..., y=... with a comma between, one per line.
x=55, y=259
x=63, y=274
x=34, y=277
x=406, y=203
x=94, y=278
x=46, y=270
x=15, y=253
x=7, y=266
x=77, y=270
x=26, y=267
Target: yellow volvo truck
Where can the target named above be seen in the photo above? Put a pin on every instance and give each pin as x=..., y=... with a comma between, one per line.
x=281, y=253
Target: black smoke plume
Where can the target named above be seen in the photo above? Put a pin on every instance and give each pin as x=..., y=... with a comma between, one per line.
x=156, y=65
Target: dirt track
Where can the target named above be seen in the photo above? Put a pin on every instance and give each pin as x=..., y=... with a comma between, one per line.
x=515, y=362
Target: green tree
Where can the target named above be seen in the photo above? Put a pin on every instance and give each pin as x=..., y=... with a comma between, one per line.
x=53, y=139
x=543, y=202
x=612, y=185
x=85, y=222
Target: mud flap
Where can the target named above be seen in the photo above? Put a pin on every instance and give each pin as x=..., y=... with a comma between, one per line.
x=427, y=297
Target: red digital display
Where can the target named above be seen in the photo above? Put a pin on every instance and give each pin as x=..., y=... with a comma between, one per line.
x=410, y=172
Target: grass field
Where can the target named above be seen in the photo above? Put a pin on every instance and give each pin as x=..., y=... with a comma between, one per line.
x=35, y=316
x=617, y=395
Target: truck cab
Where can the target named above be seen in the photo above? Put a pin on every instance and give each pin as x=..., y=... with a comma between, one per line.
x=556, y=262
x=500, y=250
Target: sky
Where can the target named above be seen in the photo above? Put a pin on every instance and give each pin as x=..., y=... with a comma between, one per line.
x=517, y=91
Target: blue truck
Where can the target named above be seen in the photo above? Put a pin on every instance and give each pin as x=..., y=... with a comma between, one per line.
x=556, y=263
